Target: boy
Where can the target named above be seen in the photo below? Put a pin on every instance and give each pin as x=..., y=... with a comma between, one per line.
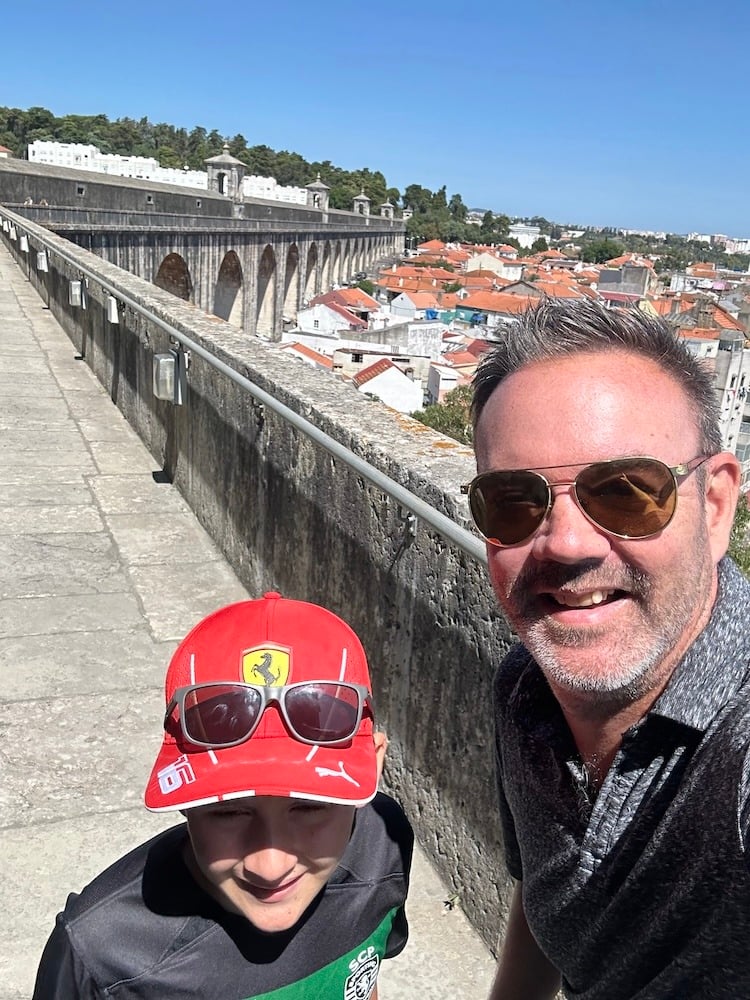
x=288, y=878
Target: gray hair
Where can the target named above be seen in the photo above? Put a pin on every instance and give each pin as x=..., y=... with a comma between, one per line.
x=557, y=329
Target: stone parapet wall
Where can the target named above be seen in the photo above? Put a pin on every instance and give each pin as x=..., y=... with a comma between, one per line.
x=289, y=516
x=89, y=198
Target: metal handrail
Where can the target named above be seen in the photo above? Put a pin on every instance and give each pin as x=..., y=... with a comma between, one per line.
x=445, y=526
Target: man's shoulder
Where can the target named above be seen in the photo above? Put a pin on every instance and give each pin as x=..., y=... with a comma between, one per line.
x=515, y=665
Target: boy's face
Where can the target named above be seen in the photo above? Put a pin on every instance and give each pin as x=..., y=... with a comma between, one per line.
x=266, y=857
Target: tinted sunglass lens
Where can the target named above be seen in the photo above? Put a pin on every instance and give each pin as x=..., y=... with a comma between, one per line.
x=221, y=714
x=323, y=712
x=508, y=507
x=634, y=498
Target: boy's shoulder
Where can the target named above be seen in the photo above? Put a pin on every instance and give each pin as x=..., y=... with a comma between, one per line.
x=381, y=845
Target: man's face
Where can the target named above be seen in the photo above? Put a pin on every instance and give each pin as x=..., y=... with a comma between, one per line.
x=603, y=616
x=266, y=857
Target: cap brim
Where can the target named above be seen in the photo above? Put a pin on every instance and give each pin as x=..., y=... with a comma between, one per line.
x=273, y=765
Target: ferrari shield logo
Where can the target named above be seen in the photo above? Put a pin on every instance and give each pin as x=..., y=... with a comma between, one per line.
x=266, y=665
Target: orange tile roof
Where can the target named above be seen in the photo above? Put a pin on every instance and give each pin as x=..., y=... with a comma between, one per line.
x=458, y=359
x=424, y=300
x=355, y=297
x=501, y=302
x=449, y=300
x=664, y=305
x=725, y=321
x=373, y=370
x=351, y=318
x=308, y=352
x=631, y=258
x=559, y=290
x=478, y=346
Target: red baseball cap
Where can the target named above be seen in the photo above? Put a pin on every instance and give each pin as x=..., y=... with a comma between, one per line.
x=271, y=642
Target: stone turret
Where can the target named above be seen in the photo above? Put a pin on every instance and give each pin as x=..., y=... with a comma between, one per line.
x=362, y=203
x=317, y=194
x=386, y=210
x=225, y=173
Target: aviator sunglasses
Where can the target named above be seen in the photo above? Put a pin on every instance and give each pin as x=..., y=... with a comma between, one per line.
x=225, y=714
x=626, y=497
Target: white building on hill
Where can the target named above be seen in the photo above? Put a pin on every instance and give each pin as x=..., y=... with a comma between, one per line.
x=83, y=157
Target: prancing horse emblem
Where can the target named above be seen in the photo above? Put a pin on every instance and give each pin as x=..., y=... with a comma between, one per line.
x=266, y=665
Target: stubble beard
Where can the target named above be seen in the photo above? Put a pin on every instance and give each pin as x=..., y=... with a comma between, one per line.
x=631, y=663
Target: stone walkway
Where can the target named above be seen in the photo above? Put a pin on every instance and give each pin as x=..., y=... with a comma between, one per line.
x=102, y=570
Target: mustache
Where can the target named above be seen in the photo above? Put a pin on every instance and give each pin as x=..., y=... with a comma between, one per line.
x=584, y=576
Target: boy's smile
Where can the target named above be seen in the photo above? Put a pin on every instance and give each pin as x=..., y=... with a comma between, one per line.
x=267, y=858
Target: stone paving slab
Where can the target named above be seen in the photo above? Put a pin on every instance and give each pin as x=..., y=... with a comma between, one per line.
x=128, y=458
x=82, y=613
x=76, y=663
x=102, y=571
x=135, y=495
x=61, y=563
x=25, y=493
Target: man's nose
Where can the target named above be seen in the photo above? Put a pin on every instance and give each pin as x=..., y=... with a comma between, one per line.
x=566, y=535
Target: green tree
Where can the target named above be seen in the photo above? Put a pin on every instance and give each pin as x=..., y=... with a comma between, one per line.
x=539, y=245
x=452, y=417
x=457, y=208
x=599, y=251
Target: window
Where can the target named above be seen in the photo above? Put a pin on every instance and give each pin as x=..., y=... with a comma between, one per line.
x=149, y=199
x=80, y=189
x=198, y=203
x=357, y=359
x=316, y=324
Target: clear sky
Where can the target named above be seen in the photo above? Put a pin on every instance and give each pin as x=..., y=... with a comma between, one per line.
x=630, y=114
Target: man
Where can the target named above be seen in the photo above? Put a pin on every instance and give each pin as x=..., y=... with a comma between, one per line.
x=623, y=720
x=289, y=877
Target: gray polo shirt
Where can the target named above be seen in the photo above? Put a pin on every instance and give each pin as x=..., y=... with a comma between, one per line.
x=642, y=891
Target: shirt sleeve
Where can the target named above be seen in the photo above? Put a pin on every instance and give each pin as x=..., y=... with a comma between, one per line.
x=398, y=936
x=61, y=974
x=403, y=837
x=502, y=687
x=745, y=808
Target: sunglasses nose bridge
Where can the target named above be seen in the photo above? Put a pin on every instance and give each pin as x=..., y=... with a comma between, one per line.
x=567, y=528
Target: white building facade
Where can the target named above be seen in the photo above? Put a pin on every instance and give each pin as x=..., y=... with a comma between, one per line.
x=82, y=157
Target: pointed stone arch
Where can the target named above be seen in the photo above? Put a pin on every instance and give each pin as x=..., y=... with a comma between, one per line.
x=173, y=276
x=291, y=284
x=228, y=295
x=265, y=322
x=325, y=272
x=311, y=272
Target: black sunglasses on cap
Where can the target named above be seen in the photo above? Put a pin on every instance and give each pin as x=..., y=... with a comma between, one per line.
x=224, y=714
x=626, y=497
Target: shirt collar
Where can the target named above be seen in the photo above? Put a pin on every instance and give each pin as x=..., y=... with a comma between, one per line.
x=717, y=663
x=712, y=670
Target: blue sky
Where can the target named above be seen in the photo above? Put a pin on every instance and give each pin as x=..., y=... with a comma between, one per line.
x=628, y=114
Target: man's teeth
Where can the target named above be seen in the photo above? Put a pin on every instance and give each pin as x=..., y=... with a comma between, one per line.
x=583, y=600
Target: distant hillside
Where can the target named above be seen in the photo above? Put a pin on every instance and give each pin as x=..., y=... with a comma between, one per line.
x=177, y=147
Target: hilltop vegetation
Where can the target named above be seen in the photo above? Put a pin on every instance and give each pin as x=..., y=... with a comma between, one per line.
x=436, y=215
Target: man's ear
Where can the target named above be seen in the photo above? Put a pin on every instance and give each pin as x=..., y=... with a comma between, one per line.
x=381, y=745
x=723, y=477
